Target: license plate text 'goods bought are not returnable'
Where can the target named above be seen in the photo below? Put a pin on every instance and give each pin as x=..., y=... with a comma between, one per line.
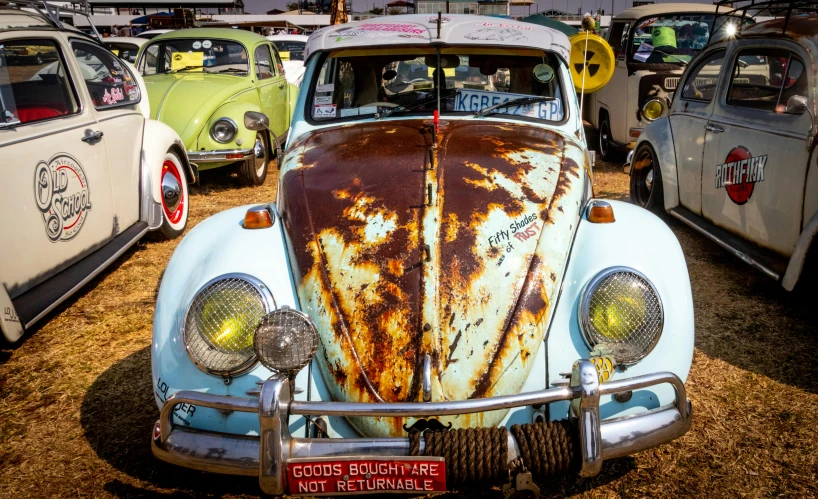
x=356, y=475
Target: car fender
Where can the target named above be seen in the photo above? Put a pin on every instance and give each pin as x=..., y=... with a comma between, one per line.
x=599, y=246
x=799, y=254
x=235, y=111
x=158, y=138
x=10, y=324
x=215, y=247
x=659, y=135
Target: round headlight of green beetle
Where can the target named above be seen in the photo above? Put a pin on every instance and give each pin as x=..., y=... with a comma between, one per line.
x=621, y=313
x=224, y=130
x=220, y=323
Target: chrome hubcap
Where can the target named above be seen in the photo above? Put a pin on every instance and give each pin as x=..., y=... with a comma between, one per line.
x=171, y=192
x=260, y=153
x=649, y=180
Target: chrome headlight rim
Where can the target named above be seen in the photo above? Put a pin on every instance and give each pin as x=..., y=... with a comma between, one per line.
x=662, y=103
x=584, y=310
x=269, y=305
x=229, y=121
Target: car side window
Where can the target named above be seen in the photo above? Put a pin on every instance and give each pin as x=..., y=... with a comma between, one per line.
x=702, y=81
x=264, y=65
x=618, y=38
x=279, y=64
x=109, y=82
x=769, y=80
x=34, y=85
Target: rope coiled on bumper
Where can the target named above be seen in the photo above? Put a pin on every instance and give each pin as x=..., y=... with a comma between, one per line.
x=481, y=454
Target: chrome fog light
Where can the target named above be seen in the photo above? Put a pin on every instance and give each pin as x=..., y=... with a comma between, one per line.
x=286, y=340
x=220, y=322
x=223, y=130
x=621, y=314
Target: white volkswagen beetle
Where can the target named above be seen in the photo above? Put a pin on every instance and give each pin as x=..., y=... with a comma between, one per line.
x=86, y=173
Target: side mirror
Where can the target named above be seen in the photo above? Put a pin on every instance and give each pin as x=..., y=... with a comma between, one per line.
x=796, y=104
x=256, y=121
x=389, y=74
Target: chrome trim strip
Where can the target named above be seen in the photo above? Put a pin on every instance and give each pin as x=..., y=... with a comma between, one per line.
x=218, y=156
x=33, y=137
x=87, y=278
x=724, y=244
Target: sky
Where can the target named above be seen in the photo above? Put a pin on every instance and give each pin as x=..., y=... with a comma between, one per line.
x=262, y=6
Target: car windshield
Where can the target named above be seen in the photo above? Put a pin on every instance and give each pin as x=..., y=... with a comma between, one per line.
x=673, y=38
x=387, y=82
x=194, y=54
x=290, y=50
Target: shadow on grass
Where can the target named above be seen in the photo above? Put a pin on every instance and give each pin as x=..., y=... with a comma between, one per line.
x=118, y=414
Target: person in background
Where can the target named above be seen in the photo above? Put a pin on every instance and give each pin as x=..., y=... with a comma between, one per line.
x=125, y=31
x=115, y=30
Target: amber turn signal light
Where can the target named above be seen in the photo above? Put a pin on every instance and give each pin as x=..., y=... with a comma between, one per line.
x=601, y=212
x=258, y=217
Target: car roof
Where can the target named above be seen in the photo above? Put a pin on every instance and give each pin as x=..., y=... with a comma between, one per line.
x=125, y=39
x=666, y=8
x=11, y=18
x=288, y=38
x=239, y=35
x=420, y=30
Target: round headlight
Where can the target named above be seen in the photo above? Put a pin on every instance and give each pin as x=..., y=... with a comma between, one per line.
x=223, y=130
x=286, y=340
x=221, y=320
x=653, y=109
x=621, y=312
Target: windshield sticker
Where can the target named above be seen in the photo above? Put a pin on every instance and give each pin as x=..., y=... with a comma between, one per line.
x=324, y=99
x=543, y=73
x=647, y=22
x=643, y=52
x=207, y=44
x=739, y=173
x=115, y=52
x=476, y=100
x=197, y=45
x=368, y=110
x=327, y=87
x=62, y=196
x=324, y=111
x=497, y=35
x=182, y=60
x=345, y=113
x=115, y=95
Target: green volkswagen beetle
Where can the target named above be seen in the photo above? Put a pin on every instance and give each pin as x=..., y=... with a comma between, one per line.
x=225, y=94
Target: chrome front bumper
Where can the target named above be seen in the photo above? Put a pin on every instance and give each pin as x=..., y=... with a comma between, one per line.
x=266, y=456
x=219, y=156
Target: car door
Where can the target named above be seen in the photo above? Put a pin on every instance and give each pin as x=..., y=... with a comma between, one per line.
x=272, y=88
x=753, y=176
x=688, y=120
x=56, y=185
x=114, y=97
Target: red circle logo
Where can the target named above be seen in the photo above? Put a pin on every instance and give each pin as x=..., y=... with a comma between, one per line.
x=741, y=188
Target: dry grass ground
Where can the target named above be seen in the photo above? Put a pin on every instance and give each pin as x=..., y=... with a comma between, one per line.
x=76, y=406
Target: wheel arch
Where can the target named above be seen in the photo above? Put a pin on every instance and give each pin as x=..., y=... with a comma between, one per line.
x=804, y=250
x=659, y=133
x=157, y=140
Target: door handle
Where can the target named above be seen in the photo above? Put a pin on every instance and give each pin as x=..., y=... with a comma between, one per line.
x=713, y=128
x=91, y=136
x=281, y=85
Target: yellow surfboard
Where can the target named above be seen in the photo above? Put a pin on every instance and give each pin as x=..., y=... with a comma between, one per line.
x=596, y=62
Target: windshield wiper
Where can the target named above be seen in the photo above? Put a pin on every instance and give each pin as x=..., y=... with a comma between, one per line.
x=231, y=70
x=512, y=102
x=186, y=68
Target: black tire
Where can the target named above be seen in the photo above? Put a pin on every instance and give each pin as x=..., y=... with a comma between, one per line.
x=646, y=180
x=253, y=171
x=175, y=197
x=604, y=146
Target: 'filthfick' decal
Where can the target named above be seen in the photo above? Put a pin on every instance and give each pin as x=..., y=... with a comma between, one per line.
x=739, y=174
x=62, y=195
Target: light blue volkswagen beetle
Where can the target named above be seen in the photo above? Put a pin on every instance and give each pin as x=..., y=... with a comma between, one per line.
x=435, y=298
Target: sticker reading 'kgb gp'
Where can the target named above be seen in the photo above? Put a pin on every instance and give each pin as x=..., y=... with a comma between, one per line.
x=62, y=196
x=739, y=174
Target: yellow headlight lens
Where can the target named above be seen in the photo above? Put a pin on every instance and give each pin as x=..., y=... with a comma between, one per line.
x=653, y=110
x=614, y=315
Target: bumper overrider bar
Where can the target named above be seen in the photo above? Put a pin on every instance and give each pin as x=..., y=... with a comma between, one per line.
x=219, y=156
x=266, y=456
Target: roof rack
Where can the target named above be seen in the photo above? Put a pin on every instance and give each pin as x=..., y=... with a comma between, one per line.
x=770, y=8
x=51, y=12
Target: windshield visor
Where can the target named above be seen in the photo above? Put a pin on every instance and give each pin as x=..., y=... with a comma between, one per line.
x=194, y=55
x=367, y=83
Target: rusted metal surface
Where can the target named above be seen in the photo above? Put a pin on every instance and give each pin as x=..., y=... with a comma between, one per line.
x=797, y=27
x=411, y=242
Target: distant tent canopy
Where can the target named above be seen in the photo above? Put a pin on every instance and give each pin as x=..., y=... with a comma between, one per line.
x=550, y=23
x=146, y=19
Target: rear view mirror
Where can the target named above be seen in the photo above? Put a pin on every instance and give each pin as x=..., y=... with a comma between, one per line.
x=256, y=121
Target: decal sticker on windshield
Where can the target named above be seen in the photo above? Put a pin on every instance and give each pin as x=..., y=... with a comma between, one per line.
x=62, y=195
x=327, y=87
x=182, y=60
x=323, y=99
x=114, y=96
x=739, y=174
x=324, y=111
x=543, y=72
x=197, y=45
x=207, y=44
x=475, y=100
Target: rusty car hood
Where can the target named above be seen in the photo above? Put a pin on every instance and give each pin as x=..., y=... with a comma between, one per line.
x=408, y=242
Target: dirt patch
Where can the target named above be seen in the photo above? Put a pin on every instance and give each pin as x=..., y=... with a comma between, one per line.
x=76, y=409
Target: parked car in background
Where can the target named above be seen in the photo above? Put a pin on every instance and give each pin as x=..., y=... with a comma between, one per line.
x=224, y=92
x=126, y=48
x=291, y=49
x=652, y=45
x=434, y=259
x=152, y=33
x=735, y=157
x=86, y=173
